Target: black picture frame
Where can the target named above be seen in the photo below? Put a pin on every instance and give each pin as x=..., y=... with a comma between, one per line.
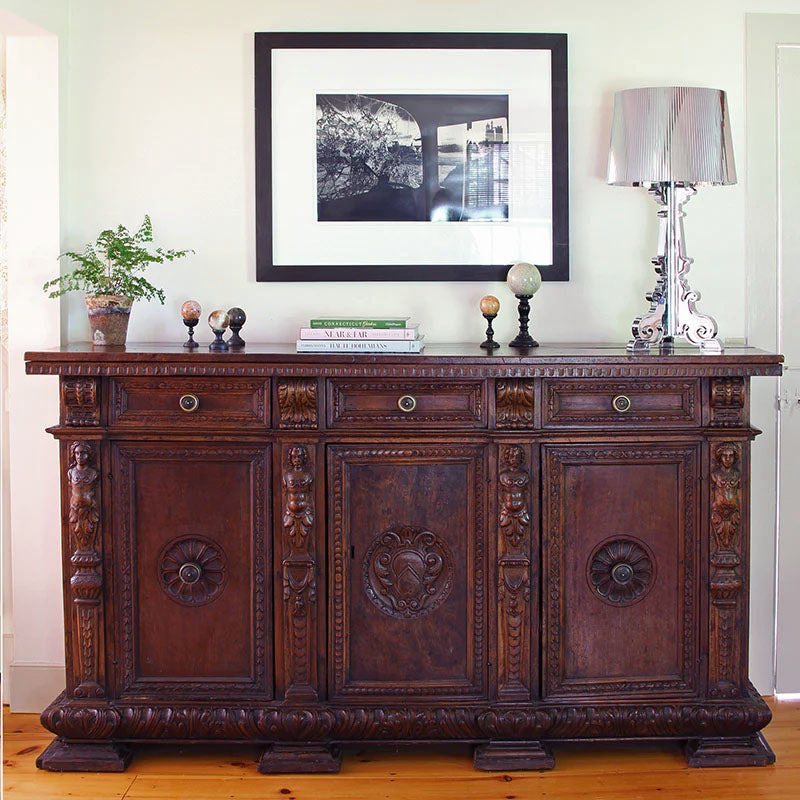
x=265, y=43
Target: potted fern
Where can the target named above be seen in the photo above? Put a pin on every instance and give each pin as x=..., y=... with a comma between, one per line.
x=109, y=272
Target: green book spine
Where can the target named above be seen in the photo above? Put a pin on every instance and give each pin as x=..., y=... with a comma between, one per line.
x=395, y=322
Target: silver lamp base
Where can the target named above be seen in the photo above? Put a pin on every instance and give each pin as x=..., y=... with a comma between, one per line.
x=672, y=315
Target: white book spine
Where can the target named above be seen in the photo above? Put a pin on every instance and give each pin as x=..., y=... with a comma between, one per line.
x=350, y=346
x=331, y=334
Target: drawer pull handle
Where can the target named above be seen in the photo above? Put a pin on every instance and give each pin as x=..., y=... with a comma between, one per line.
x=621, y=403
x=407, y=403
x=189, y=403
x=622, y=573
x=190, y=573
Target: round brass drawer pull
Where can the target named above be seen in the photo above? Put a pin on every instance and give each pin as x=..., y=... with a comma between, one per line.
x=407, y=403
x=189, y=403
x=621, y=403
x=190, y=573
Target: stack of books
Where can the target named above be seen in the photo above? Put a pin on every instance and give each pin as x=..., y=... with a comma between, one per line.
x=390, y=335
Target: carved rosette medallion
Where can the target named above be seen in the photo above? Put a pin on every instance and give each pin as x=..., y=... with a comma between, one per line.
x=621, y=571
x=725, y=582
x=408, y=572
x=192, y=570
x=514, y=400
x=297, y=402
x=86, y=583
x=727, y=402
x=299, y=573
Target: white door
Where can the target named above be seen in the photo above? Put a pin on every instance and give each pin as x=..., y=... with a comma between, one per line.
x=773, y=296
x=788, y=233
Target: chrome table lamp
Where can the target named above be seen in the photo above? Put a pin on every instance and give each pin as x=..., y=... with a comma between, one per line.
x=671, y=139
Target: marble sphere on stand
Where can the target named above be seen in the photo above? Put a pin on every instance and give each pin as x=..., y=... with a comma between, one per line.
x=490, y=305
x=524, y=279
x=218, y=320
x=191, y=310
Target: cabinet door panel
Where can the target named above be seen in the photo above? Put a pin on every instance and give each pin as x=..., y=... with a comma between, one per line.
x=192, y=555
x=621, y=561
x=407, y=571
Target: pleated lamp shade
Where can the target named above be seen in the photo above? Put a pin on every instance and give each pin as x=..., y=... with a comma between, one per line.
x=670, y=134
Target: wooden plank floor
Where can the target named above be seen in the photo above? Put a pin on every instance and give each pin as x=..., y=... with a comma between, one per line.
x=586, y=771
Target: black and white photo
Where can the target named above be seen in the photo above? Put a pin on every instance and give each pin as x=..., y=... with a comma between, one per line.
x=437, y=158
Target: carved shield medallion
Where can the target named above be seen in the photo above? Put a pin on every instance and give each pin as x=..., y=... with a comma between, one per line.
x=408, y=572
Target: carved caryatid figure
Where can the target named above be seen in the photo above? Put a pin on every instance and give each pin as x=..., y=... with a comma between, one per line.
x=515, y=518
x=298, y=514
x=726, y=488
x=84, y=515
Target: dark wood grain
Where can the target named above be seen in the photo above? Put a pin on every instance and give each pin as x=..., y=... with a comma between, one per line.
x=510, y=562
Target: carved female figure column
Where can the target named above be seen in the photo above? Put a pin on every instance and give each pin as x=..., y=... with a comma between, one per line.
x=513, y=579
x=725, y=576
x=299, y=575
x=86, y=581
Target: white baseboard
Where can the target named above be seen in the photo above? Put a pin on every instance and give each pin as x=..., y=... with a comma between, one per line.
x=8, y=657
x=32, y=687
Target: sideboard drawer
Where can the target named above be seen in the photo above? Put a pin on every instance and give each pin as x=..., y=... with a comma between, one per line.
x=366, y=404
x=189, y=402
x=620, y=403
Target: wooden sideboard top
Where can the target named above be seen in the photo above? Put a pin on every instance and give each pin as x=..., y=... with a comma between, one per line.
x=443, y=360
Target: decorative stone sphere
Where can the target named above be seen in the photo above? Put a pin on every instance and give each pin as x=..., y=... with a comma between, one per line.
x=218, y=320
x=236, y=316
x=191, y=310
x=524, y=279
x=490, y=304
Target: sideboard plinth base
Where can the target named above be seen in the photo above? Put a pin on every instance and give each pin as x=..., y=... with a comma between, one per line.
x=63, y=756
x=305, y=757
x=511, y=756
x=744, y=751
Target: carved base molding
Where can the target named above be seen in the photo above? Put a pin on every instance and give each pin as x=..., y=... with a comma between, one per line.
x=510, y=756
x=306, y=757
x=61, y=756
x=312, y=722
x=743, y=751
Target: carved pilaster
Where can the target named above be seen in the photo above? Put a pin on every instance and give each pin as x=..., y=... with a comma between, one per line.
x=514, y=402
x=728, y=396
x=86, y=582
x=299, y=575
x=513, y=576
x=80, y=401
x=725, y=575
x=297, y=403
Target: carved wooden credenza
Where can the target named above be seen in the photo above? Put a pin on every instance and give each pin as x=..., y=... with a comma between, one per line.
x=302, y=551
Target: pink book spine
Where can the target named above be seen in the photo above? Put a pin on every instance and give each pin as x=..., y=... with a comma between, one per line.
x=328, y=334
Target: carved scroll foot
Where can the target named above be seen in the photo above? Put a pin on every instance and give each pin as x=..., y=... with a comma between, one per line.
x=510, y=756
x=304, y=757
x=730, y=751
x=64, y=756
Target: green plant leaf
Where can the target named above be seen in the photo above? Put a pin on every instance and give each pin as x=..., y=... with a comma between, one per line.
x=112, y=263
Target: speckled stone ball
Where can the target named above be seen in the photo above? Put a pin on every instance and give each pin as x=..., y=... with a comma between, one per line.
x=236, y=316
x=218, y=320
x=490, y=304
x=524, y=279
x=191, y=310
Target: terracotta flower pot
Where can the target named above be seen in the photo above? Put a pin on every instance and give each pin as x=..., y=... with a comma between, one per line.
x=108, y=318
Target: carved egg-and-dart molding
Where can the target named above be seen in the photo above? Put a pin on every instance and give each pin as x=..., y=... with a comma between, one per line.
x=621, y=570
x=408, y=572
x=192, y=570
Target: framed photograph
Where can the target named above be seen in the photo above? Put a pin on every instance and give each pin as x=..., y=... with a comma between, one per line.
x=410, y=156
